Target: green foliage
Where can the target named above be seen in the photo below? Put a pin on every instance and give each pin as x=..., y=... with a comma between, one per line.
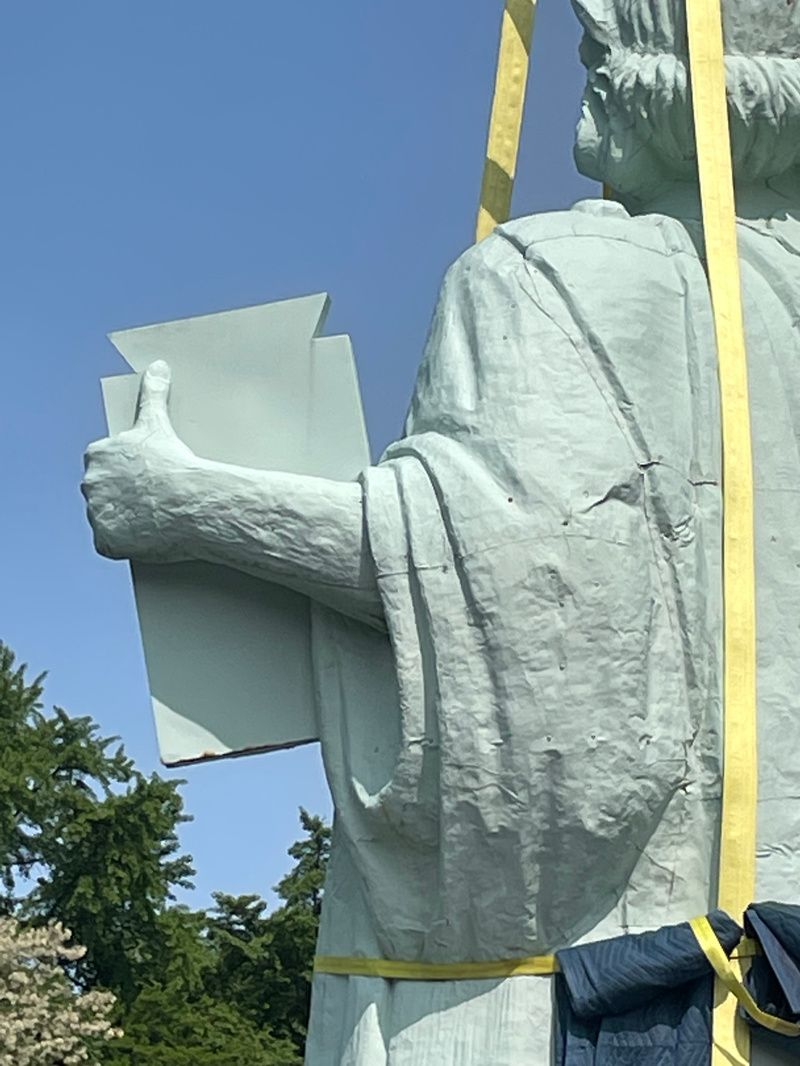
x=111, y=879
x=87, y=840
x=162, y=1028
x=50, y=768
x=303, y=885
x=294, y=928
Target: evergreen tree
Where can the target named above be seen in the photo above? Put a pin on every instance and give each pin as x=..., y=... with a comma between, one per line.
x=293, y=929
x=87, y=840
x=303, y=885
x=264, y=962
x=164, y=1028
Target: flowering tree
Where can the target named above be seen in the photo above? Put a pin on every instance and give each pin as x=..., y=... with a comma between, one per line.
x=88, y=841
x=44, y=1021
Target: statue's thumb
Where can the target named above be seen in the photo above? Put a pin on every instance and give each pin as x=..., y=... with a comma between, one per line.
x=153, y=395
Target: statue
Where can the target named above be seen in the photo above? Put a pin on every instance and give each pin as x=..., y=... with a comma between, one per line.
x=517, y=621
x=228, y=659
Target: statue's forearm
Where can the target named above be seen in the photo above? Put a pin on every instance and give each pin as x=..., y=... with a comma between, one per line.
x=302, y=532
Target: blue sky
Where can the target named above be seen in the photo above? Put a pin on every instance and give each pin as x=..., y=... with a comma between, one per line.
x=170, y=159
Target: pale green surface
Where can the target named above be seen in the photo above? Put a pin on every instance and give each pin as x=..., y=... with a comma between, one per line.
x=228, y=657
x=636, y=132
x=532, y=757
x=547, y=543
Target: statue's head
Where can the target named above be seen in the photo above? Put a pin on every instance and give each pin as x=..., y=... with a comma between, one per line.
x=636, y=128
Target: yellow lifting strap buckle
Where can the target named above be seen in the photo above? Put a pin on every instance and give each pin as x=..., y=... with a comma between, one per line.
x=737, y=873
x=505, y=125
x=356, y=966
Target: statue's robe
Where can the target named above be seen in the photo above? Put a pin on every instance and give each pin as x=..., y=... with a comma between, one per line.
x=533, y=757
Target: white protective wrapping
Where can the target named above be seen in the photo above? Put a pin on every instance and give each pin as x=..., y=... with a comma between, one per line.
x=534, y=759
x=228, y=657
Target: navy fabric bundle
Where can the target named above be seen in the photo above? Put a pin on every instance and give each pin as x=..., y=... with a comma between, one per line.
x=641, y=1000
x=774, y=976
x=646, y=1000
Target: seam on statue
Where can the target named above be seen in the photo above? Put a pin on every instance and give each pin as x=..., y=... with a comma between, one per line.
x=769, y=236
x=763, y=271
x=630, y=431
x=655, y=53
x=222, y=558
x=665, y=253
x=536, y=538
x=548, y=272
x=539, y=538
x=524, y=247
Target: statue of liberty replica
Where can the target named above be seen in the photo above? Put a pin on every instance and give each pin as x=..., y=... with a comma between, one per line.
x=517, y=646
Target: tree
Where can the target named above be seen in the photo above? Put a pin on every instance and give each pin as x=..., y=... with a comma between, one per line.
x=303, y=885
x=43, y=1020
x=87, y=840
x=111, y=879
x=294, y=928
x=237, y=981
x=165, y=1028
x=264, y=962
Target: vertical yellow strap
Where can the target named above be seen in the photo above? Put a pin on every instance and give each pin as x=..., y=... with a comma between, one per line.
x=740, y=788
x=505, y=124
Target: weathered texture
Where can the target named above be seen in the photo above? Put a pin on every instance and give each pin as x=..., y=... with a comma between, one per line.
x=636, y=130
x=547, y=545
x=228, y=661
x=517, y=621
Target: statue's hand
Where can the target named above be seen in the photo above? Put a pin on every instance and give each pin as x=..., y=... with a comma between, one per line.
x=133, y=481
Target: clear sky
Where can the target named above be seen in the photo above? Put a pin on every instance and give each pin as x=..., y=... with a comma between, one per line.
x=165, y=158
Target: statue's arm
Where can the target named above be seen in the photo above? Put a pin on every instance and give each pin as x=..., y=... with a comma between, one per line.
x=151, y=499
x=302, y=532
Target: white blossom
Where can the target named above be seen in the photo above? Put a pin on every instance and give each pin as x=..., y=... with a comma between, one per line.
x=44, y=1021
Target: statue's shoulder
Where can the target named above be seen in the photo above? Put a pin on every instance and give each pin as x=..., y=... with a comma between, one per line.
x=587, y=239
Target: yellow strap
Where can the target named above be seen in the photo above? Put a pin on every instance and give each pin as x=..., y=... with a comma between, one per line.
x=738, y=844
x=530, y=966
x=505, y=124
x=355, y=966
x=708, y=941
x=740, y=787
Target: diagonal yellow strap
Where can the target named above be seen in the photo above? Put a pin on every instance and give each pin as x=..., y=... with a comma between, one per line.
x=740, y=787
x=356, y=966
x=709, y=942
x=505, y=124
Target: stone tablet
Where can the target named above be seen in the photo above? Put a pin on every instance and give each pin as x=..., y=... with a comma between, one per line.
x=228, y=655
